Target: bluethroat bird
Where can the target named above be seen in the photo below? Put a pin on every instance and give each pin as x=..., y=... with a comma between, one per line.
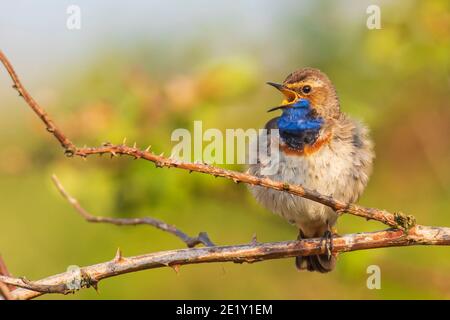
x=320, y=148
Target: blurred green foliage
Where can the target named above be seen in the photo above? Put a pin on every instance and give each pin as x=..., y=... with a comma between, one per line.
x=395, y=79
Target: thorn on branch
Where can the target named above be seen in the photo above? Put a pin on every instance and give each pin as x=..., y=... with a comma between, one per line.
x=175, y=267
x=254, y=240
x=118, y=258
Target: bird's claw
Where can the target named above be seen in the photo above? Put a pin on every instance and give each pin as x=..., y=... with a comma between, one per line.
x=328, y=239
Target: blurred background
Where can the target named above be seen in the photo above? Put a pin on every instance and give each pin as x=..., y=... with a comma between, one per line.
x=143, y=69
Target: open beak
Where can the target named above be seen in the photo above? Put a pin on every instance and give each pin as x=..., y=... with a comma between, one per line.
x=283, y=106
x=290, y=96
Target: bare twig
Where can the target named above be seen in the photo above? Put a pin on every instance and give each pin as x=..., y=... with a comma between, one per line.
x=249, y=253
x=51, y=127
x=5, y=288
x=191, y=242
x=23, y=283
x=396, y=220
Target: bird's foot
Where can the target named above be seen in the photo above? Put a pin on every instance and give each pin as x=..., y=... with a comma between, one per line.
x=328, y=240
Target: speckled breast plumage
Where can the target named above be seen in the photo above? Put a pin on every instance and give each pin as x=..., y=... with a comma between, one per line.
x=339, y=168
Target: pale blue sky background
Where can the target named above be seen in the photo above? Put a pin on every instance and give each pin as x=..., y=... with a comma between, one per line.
x=34, y=34
x=36, y=30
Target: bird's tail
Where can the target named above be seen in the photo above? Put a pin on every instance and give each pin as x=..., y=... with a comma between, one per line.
x=322, y=263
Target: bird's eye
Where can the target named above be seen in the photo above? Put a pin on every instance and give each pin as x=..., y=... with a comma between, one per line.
x=306, y=89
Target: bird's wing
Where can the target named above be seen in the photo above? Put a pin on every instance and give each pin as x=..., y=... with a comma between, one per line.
x=272, y=124
x=355, y=136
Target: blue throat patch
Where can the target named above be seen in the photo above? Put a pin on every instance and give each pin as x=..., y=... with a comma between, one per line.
x=299, y=126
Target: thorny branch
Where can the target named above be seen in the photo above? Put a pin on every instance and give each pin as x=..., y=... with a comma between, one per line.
x=406, y=232
x=252, y=252
x=191, y=242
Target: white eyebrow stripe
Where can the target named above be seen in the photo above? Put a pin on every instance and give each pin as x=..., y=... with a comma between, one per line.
x=312, y=82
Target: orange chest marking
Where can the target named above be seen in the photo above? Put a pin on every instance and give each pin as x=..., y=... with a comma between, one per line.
x=308, y=149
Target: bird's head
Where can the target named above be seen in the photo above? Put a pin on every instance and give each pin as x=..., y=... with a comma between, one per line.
x=311, y=85
x=309, y=106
